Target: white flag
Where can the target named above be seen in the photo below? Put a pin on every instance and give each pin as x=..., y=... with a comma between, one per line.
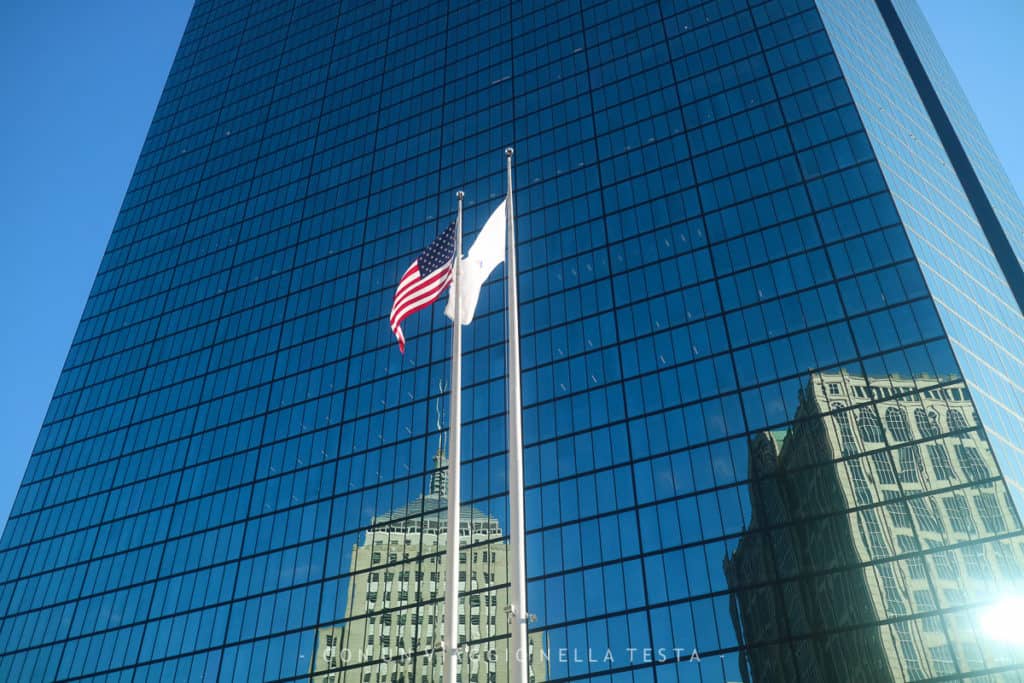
x=487, y=252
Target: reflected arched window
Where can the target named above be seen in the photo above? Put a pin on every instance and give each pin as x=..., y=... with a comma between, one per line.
x=910, y=464
x=971, y=463
x=927, y=422
x=861, y=491
x=896, y=421
x=926, y=513
x=883, y=467
x=941, y=464
x=846, y=437
x=869, y=425
x=955, y=420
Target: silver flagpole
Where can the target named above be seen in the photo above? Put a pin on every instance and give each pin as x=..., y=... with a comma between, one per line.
x=518, y=615
x=451, y=595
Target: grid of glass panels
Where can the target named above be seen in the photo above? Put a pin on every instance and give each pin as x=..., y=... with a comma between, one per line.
x=978, y=309
x=750, y=452
x=998, y=187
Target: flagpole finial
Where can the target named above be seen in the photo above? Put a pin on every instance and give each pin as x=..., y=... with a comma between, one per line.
x=459, y=195
x=508, y=151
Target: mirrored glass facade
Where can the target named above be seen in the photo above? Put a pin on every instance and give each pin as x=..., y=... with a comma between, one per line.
x=771, y=358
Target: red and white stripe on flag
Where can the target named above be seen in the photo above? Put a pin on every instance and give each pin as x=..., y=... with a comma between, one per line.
x=424, y=281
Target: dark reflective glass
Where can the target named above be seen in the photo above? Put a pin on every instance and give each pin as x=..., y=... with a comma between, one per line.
x=772, y=418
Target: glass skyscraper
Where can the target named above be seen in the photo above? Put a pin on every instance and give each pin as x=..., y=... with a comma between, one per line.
x=773, y=346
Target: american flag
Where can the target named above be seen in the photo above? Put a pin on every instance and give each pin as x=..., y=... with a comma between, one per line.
x=424, y=281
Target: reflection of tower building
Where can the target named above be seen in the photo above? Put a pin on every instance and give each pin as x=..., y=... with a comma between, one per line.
x=712, y=197
x=394, y=615
x=879, y=514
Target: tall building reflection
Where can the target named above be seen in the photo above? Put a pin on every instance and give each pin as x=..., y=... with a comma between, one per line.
x=394, y=616
x=875, y=519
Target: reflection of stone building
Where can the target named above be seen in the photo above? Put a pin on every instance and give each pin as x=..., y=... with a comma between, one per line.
x=881, y=507
x=394, y=614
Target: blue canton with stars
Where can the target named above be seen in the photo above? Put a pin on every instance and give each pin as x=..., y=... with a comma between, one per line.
x=440, y=252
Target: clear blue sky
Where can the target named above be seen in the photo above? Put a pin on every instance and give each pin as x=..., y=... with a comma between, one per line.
x=78, y=85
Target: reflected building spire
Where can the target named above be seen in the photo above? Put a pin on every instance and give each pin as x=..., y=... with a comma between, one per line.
x=394, y=604
x=439, y=479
